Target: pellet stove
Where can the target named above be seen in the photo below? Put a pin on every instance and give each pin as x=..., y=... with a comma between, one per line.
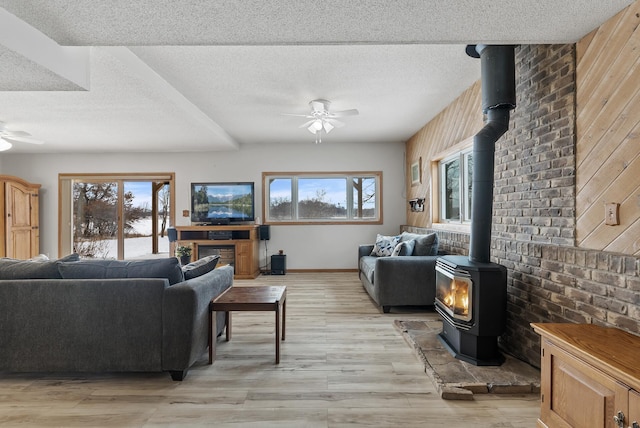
x=471, y=292
x=471, y=299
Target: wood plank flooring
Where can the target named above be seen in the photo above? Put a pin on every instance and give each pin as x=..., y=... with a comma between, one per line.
x=342, y=364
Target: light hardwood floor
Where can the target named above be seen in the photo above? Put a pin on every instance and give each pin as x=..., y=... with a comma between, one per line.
x=342, y=364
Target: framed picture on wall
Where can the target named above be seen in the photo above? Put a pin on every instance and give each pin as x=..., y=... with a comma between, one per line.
x=416, y=172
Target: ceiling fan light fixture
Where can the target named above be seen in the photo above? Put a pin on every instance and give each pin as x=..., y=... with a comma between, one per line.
x=4, y=145
x=328, y=127
x=322, y=120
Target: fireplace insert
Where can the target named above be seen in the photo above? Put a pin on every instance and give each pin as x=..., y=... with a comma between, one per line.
x=471, y=298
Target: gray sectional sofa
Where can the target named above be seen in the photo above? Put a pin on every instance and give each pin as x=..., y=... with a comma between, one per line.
x=107, y=316
x=399, y=270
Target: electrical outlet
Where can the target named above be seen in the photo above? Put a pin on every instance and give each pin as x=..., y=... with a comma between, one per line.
x=612, y=214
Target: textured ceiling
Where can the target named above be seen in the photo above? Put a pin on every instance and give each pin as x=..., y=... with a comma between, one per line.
x=127, y=75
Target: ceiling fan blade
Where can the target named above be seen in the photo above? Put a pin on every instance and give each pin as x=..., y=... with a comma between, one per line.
x=296, y=115
x=342, y=113
x=17, y=134
x=304, y=125
x=16, y=139
x=335, y=123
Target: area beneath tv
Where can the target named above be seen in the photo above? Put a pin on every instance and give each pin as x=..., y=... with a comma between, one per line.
x=237, y=245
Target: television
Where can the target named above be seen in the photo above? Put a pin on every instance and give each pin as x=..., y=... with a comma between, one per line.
x=222, y=203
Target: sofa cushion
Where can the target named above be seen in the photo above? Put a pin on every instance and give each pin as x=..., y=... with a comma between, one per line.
x=168, y=268
x=404, y=248
x=200, y=267
x=37, y=268
x=384, y=245
x=368, y=267
x=425, y=244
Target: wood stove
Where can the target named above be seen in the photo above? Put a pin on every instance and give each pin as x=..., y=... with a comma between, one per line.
x=471, y=292
x=471, y=298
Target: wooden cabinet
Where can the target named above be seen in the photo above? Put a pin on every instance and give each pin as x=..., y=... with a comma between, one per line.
x=237, y=245
x=20, y=218
x=590, y=376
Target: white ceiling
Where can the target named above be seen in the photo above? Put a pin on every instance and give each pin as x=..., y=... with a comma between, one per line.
x=203, y=75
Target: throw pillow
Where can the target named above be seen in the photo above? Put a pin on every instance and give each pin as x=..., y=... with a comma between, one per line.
x=404, y=248
x=384, y=245
x=200, y=267
x=425, y=245
x=33, y=269
x=100, y=269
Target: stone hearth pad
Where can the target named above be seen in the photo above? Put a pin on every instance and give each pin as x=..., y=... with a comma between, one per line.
x=458, y=380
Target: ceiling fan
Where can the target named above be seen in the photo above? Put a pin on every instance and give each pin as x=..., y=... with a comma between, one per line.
x=322, y=120
x=7, y=138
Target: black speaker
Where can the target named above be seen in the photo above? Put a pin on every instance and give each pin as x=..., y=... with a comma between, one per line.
x=278, y=264
x=264, y=232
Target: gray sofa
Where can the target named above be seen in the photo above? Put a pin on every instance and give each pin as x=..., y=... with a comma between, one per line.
x=400, y=279
x=106, y=316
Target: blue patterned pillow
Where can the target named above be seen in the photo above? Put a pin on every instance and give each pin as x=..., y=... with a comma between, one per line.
x=385, y=245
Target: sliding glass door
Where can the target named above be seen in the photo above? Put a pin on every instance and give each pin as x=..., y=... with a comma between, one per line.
x=115, y=216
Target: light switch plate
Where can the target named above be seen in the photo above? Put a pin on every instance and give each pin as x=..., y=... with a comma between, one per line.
x=612, y=214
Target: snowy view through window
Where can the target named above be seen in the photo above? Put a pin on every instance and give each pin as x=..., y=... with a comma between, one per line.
x=95, y=230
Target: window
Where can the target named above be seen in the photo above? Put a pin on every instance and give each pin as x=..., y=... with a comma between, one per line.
x=455, y=177
x=322, y=197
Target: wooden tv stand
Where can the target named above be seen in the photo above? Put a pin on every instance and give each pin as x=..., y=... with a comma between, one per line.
x=236, y=244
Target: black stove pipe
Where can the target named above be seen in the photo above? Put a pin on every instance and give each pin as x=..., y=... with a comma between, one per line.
x=497, y=64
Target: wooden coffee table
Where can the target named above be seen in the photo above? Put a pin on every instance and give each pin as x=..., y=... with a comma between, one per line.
x=261, y=298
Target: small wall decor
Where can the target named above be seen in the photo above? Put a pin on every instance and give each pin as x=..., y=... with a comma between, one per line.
x=417, y=204
x=416, y=172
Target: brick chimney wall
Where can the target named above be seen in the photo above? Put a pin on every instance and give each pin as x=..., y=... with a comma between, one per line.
x=549, y=279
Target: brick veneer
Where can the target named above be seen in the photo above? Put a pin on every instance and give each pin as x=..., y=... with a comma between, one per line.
x=549, y=279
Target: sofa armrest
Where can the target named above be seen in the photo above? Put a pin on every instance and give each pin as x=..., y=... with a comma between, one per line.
x=364, y=250
x=406, y=278
x=185, y=319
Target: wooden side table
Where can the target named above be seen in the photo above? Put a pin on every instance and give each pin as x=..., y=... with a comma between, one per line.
x=261, y=298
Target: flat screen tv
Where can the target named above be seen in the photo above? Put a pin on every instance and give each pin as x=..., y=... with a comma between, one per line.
x=221, y=203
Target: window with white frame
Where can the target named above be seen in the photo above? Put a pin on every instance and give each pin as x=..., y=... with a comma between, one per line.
x=455, y=175
x=322, y=197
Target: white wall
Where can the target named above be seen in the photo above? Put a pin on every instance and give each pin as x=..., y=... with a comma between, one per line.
x=306, y=246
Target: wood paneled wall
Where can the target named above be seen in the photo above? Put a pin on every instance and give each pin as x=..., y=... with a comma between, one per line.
x=459, y=121
x=608, y=134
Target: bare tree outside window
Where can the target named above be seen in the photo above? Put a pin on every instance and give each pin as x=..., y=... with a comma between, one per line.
x=322, y=197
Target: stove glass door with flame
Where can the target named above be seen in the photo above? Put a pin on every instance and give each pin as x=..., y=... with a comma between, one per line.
x=454, y=293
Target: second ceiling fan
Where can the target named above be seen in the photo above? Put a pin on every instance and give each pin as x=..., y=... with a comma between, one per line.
x=7, y=137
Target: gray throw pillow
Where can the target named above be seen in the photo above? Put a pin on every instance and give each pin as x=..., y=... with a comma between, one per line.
x=33, y=269
x=425, y=245
x=101, y=269
x=404, y=248
x=200, y=267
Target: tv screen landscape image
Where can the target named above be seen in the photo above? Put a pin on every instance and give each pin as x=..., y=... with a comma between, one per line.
x=222, y=202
